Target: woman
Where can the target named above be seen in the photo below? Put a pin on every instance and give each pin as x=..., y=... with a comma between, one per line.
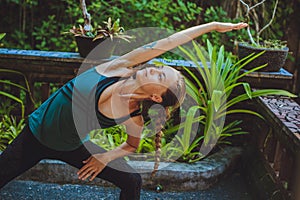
x=113, y=92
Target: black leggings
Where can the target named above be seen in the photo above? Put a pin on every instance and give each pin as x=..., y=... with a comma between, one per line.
x=26, y=151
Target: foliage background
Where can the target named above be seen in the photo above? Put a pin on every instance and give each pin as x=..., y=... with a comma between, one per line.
x=36, y=24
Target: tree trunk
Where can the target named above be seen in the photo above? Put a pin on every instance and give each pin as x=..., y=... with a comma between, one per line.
x=86, y=16
x=232, y=8
x=293, y=38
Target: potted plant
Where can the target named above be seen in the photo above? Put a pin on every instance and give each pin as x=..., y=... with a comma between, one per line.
x=275, y=51
x=88, y=38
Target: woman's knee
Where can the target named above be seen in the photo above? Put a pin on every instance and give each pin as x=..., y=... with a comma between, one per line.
x=135, y=179
x=132, y=189
x=131, y=182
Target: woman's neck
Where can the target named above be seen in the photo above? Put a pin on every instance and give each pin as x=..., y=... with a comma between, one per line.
x=127, y=94
x=117, y=101
x=128, y=90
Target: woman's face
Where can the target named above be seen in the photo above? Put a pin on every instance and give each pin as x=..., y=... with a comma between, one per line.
x=156, y=79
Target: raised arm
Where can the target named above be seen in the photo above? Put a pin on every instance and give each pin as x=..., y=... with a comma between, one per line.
x=152, y=50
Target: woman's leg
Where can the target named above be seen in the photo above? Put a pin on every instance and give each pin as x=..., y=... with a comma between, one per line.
x=22, y=154
x=117, y=172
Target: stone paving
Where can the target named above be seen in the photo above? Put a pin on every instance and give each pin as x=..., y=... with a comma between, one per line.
x=231, y=188
x=287, y=110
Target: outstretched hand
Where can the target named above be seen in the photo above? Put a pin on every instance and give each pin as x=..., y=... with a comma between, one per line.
x=223, y=27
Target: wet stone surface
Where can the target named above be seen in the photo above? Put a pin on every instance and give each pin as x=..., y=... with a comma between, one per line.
x=287, y=110
x=232, y=187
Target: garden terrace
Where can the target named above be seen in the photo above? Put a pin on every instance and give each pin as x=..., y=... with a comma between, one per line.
x=270, y=158
x=275, y=147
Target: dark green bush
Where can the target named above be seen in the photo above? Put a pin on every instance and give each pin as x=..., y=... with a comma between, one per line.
x=40, y=24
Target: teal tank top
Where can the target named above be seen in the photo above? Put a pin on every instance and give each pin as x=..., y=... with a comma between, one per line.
x=64, y=120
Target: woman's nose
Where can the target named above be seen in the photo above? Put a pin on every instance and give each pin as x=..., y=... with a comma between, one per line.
x=154, y=70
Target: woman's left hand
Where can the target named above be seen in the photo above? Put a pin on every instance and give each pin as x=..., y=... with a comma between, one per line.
x=93, y=166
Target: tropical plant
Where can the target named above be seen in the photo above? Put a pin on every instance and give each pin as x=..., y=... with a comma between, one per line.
x=184, y=147
x=10, y=128
x=112, y=137
x=110, y=30
x=10, y=83
x=6, y=107
x=88, y=38
x=147, y=141
x=2, y=35
x=213, y=93
x=109, y=138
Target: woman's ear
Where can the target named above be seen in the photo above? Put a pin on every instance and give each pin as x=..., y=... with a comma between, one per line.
x=156, y=98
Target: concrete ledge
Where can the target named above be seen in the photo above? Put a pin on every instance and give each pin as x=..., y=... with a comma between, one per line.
x=175, y=176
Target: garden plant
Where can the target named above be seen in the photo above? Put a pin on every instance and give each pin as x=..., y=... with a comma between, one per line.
x=253, y=17
x=10, y=126
x=276, y=51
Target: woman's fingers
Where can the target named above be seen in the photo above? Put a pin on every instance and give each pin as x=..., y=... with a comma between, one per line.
x=83, y=171
x=240, y=26
x=224, y=27
x=92, y=171
x=92, y=168
x=95, y=174
x=88, y=173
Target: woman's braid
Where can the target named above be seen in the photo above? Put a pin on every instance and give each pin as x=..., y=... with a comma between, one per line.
x=159, y=133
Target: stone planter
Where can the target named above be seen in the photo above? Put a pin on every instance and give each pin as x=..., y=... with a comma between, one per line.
x=98, y=49
x=275, y=58
x=171, y=176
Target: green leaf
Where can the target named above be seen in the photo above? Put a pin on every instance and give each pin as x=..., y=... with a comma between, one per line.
x=15, y=99
x=248, y=90
x=217, y=97
x=2, y=35
x=209, y=121
x=188, y=126
x=244, y=111
x=257, y=93
x=13, y=84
